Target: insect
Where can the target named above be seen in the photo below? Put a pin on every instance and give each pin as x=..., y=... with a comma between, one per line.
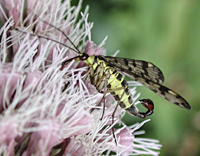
x=106, y=74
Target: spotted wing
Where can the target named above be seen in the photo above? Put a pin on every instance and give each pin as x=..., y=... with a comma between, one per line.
x=148, y=75
x=165, y=92
x=143, y=69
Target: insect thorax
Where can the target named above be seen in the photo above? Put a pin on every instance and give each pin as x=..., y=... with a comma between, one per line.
x=106, y=78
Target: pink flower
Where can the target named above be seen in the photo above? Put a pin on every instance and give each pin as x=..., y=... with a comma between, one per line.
x=48, y=111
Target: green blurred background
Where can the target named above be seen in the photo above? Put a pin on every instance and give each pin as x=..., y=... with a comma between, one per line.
x=166, y=33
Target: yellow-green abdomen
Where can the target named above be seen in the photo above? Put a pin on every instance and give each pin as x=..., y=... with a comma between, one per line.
x=103, y=76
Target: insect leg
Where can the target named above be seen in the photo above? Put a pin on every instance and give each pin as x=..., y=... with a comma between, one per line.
x=67, y=61
x=86, y=76
x=104, y=106
x=65, y=86
x=113, y=115
x=99, y=77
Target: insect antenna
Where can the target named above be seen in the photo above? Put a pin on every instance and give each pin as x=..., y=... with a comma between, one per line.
x=44, y=37
x=53, y=26
x=75, y=49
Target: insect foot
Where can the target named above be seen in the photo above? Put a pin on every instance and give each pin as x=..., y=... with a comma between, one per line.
x=149, y=105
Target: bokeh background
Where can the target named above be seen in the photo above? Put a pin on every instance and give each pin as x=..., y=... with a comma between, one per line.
x=166, y=33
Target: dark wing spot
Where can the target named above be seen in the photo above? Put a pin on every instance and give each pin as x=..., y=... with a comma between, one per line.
x=163, y=90
x=147, y=81
x=144, y=64
x=176, y=103
x=126, y=62
x=101, y=58
x=184, y=105
x=134, y=65
x=154, y=90
x=144, y=67
x=178, y=96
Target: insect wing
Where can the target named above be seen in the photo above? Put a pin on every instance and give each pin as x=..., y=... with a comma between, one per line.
x=134, y=68
x=148, y=75
x=165, y=92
